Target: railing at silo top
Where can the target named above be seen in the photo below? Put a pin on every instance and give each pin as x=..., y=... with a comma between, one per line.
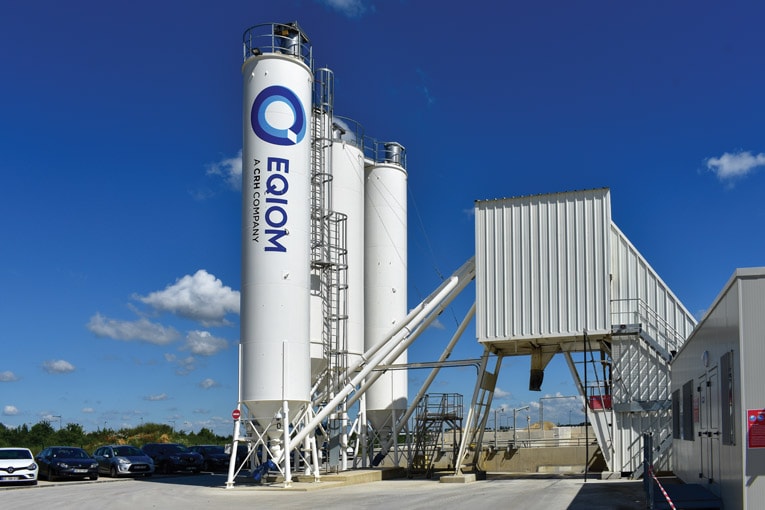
x=348, y=131
x=283, y=38
x=385, y=152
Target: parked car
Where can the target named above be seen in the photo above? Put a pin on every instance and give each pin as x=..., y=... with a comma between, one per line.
x=242, y=451
x=17, y=466
x=172, y=457
x=115, y=460
x=66, y=462
x=213, y=456
x=243, y=454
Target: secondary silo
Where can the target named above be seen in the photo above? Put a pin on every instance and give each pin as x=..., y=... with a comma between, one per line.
x=385, y=276
x=275, y=365
x=348, y=199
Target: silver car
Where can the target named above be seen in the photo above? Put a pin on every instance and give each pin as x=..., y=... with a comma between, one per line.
x=123, y=460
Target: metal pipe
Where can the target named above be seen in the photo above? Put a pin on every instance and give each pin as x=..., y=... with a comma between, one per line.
x=235, y=443
x=468, y=268
x=286, y=430
x=385, y=447
x=586, y=405
x=377, y=359
x=456, y=282
x=401, y=348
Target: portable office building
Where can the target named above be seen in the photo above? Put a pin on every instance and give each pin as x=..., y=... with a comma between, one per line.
x=718, y=395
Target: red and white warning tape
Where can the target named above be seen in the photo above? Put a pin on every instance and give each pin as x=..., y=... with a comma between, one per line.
x=661, y=488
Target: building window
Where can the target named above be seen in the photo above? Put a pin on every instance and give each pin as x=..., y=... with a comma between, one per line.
x=677, y=432
x=687, y=416
x=727, y=400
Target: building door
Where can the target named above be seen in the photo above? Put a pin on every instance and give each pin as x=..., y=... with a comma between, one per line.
x=709, y=429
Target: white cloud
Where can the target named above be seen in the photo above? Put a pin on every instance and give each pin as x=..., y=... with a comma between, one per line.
x=88, y=410
x=348, y=8
x=203, y=343
x=208, y=383
x=8, y=376
x=10, y=411
x=500, y=393
x=142, y=329
x=437, y=324
x=558, y=407
x=230, y=169
x=185, y=365
x=734, y=165
x=58, y=366
x=201, y=297
x=156, y=398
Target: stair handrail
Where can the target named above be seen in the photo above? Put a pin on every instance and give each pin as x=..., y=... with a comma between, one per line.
x=649, y=320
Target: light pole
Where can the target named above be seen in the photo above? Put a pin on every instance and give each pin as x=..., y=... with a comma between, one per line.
x=515, y=411
x=59, y=420
x=496, y=411
x=528, y=427
x=173, y=422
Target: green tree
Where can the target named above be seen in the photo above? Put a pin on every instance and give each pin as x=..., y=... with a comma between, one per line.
x=40, y=435
x=71, y=435
x=5, y=436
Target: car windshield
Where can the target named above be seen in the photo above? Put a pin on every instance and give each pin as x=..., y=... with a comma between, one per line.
x=176, y=448
x=213, y=449
x=127, y=451
x=70, y=453
x=14, y=454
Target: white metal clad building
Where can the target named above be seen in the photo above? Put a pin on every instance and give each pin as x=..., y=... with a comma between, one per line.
x=641, y=395
x=553, y=268
x=542, y=266
x=718, y=395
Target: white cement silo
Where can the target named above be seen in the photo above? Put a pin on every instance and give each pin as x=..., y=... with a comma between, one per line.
x=385, y=272
x=348, y=199
x=275, y=366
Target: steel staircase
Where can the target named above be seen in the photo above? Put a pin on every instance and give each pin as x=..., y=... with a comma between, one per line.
x=478, y=414
x=436, y=414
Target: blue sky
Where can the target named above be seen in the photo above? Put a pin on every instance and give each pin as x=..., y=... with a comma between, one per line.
x=121, y=122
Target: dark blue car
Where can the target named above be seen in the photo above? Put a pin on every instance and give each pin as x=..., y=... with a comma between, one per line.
x=66, y=462
x=214, y=457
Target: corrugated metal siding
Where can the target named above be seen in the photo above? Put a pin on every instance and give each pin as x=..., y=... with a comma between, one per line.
x=542, y=265
x=641, y=296
x=640, y=376
x=628, y=439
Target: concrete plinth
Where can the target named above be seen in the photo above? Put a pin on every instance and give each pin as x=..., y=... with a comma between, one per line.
x=468, y=478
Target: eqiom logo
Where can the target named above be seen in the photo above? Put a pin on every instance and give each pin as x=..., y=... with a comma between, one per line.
x=278, y=135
